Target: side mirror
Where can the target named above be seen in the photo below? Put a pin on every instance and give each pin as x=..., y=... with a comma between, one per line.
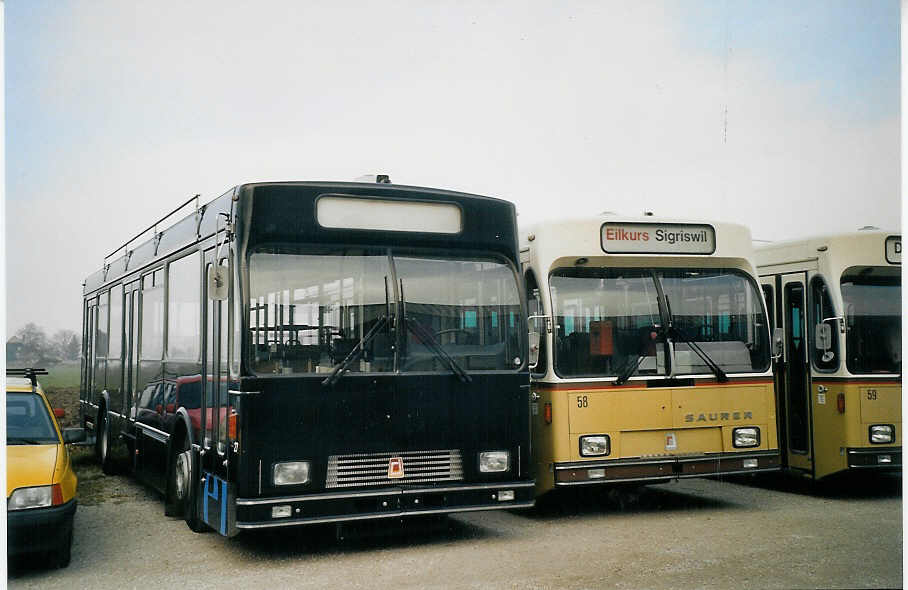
x=823, y=337
x=217, y=283
x=59, y=413
x=73, y=435
x=534, y=349
x=778, y=338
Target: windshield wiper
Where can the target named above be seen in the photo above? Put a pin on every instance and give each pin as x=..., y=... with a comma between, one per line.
x=629, y=369
x=429, y=341
x=356, y=353
x=676, y=333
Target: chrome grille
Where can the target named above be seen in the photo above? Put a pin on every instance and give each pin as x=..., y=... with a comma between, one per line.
x=371, y=469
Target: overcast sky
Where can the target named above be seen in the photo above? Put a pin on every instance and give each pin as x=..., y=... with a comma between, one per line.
x=780, y=115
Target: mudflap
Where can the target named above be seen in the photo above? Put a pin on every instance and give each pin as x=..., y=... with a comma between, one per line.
x=218, y=504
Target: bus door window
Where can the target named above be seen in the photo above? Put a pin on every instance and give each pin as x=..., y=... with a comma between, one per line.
x=220, y=400
x=151, y=351
x=825, y=356
x=115, y=351
x=133, y=343
x=538, y=325
x=100, y=348
x=90, y=352
x=215, y=370
x=796, y=367
x=770, y=306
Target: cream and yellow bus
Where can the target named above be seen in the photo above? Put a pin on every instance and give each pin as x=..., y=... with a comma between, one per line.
x=837, y=302
x=651, y=352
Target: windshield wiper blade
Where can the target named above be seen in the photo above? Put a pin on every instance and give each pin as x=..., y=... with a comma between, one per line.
x=676, y=333
x=429, y=341
x=629, y=369
x=356, y=353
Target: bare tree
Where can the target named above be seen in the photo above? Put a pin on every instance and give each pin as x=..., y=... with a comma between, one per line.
x=34, y=347
x=67, y=345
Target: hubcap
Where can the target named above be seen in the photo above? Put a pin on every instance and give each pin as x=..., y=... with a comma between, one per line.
x=181, y=475
x=104, y=440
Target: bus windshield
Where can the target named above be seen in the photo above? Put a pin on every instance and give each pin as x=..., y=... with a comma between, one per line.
x=308, y=312
x=873, y=338
x=607, y=319
x=720, y=310
x=470, y=308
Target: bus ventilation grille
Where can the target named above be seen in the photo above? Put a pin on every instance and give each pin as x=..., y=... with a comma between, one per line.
x=372, y=469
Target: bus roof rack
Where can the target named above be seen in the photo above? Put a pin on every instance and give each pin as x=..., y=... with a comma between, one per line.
x=154, y=226
x=30, y=373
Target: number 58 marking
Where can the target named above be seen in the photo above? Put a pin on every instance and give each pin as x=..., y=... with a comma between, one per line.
x=582, y=401
x=871, y=394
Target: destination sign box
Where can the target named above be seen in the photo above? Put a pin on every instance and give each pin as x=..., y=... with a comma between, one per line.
x=894, y=249
x=658, y=238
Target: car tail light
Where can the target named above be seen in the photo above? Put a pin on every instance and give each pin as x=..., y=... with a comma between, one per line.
x=840, y=403
x=547, y=412
x=56, y=492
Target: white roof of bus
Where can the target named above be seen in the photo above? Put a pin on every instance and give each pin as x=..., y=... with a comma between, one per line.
x=867, y=244
x=580, y=236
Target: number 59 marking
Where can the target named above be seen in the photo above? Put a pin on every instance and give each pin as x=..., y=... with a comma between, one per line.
x=582, y=401
x=871, y=394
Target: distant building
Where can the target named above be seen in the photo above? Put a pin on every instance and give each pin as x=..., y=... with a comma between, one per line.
x=13, y=346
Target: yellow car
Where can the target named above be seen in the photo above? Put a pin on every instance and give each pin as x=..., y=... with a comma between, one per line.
x=40, y=482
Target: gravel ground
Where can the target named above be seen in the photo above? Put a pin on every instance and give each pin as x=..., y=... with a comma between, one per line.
x=772, y=532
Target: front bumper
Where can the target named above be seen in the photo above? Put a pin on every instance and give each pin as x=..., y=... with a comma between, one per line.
x=39, y=529
x=255, y=513
x=875, y=458
x=663, y=468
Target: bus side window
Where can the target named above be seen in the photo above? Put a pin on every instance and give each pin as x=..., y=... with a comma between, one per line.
x=535, y=307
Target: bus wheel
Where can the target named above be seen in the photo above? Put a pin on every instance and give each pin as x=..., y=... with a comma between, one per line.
x=102, y=444
x=180, y=489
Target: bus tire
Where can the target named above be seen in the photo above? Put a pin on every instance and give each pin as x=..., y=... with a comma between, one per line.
x=102, y=443
x=180, y=500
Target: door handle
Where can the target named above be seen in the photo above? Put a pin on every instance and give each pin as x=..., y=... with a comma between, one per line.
x=534, y=396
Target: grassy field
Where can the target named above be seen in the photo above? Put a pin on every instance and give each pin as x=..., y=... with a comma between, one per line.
x=61, y=376
x=61, y=384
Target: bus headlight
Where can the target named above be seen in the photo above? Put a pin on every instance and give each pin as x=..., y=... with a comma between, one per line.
x=291, y=473
x=25, y=498
x=595, y=445
x=882, y=433
x=493, y=461
x=745, y=437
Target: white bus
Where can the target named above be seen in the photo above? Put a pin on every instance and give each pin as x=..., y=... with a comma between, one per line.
x=838, y=300
x=653, y=351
